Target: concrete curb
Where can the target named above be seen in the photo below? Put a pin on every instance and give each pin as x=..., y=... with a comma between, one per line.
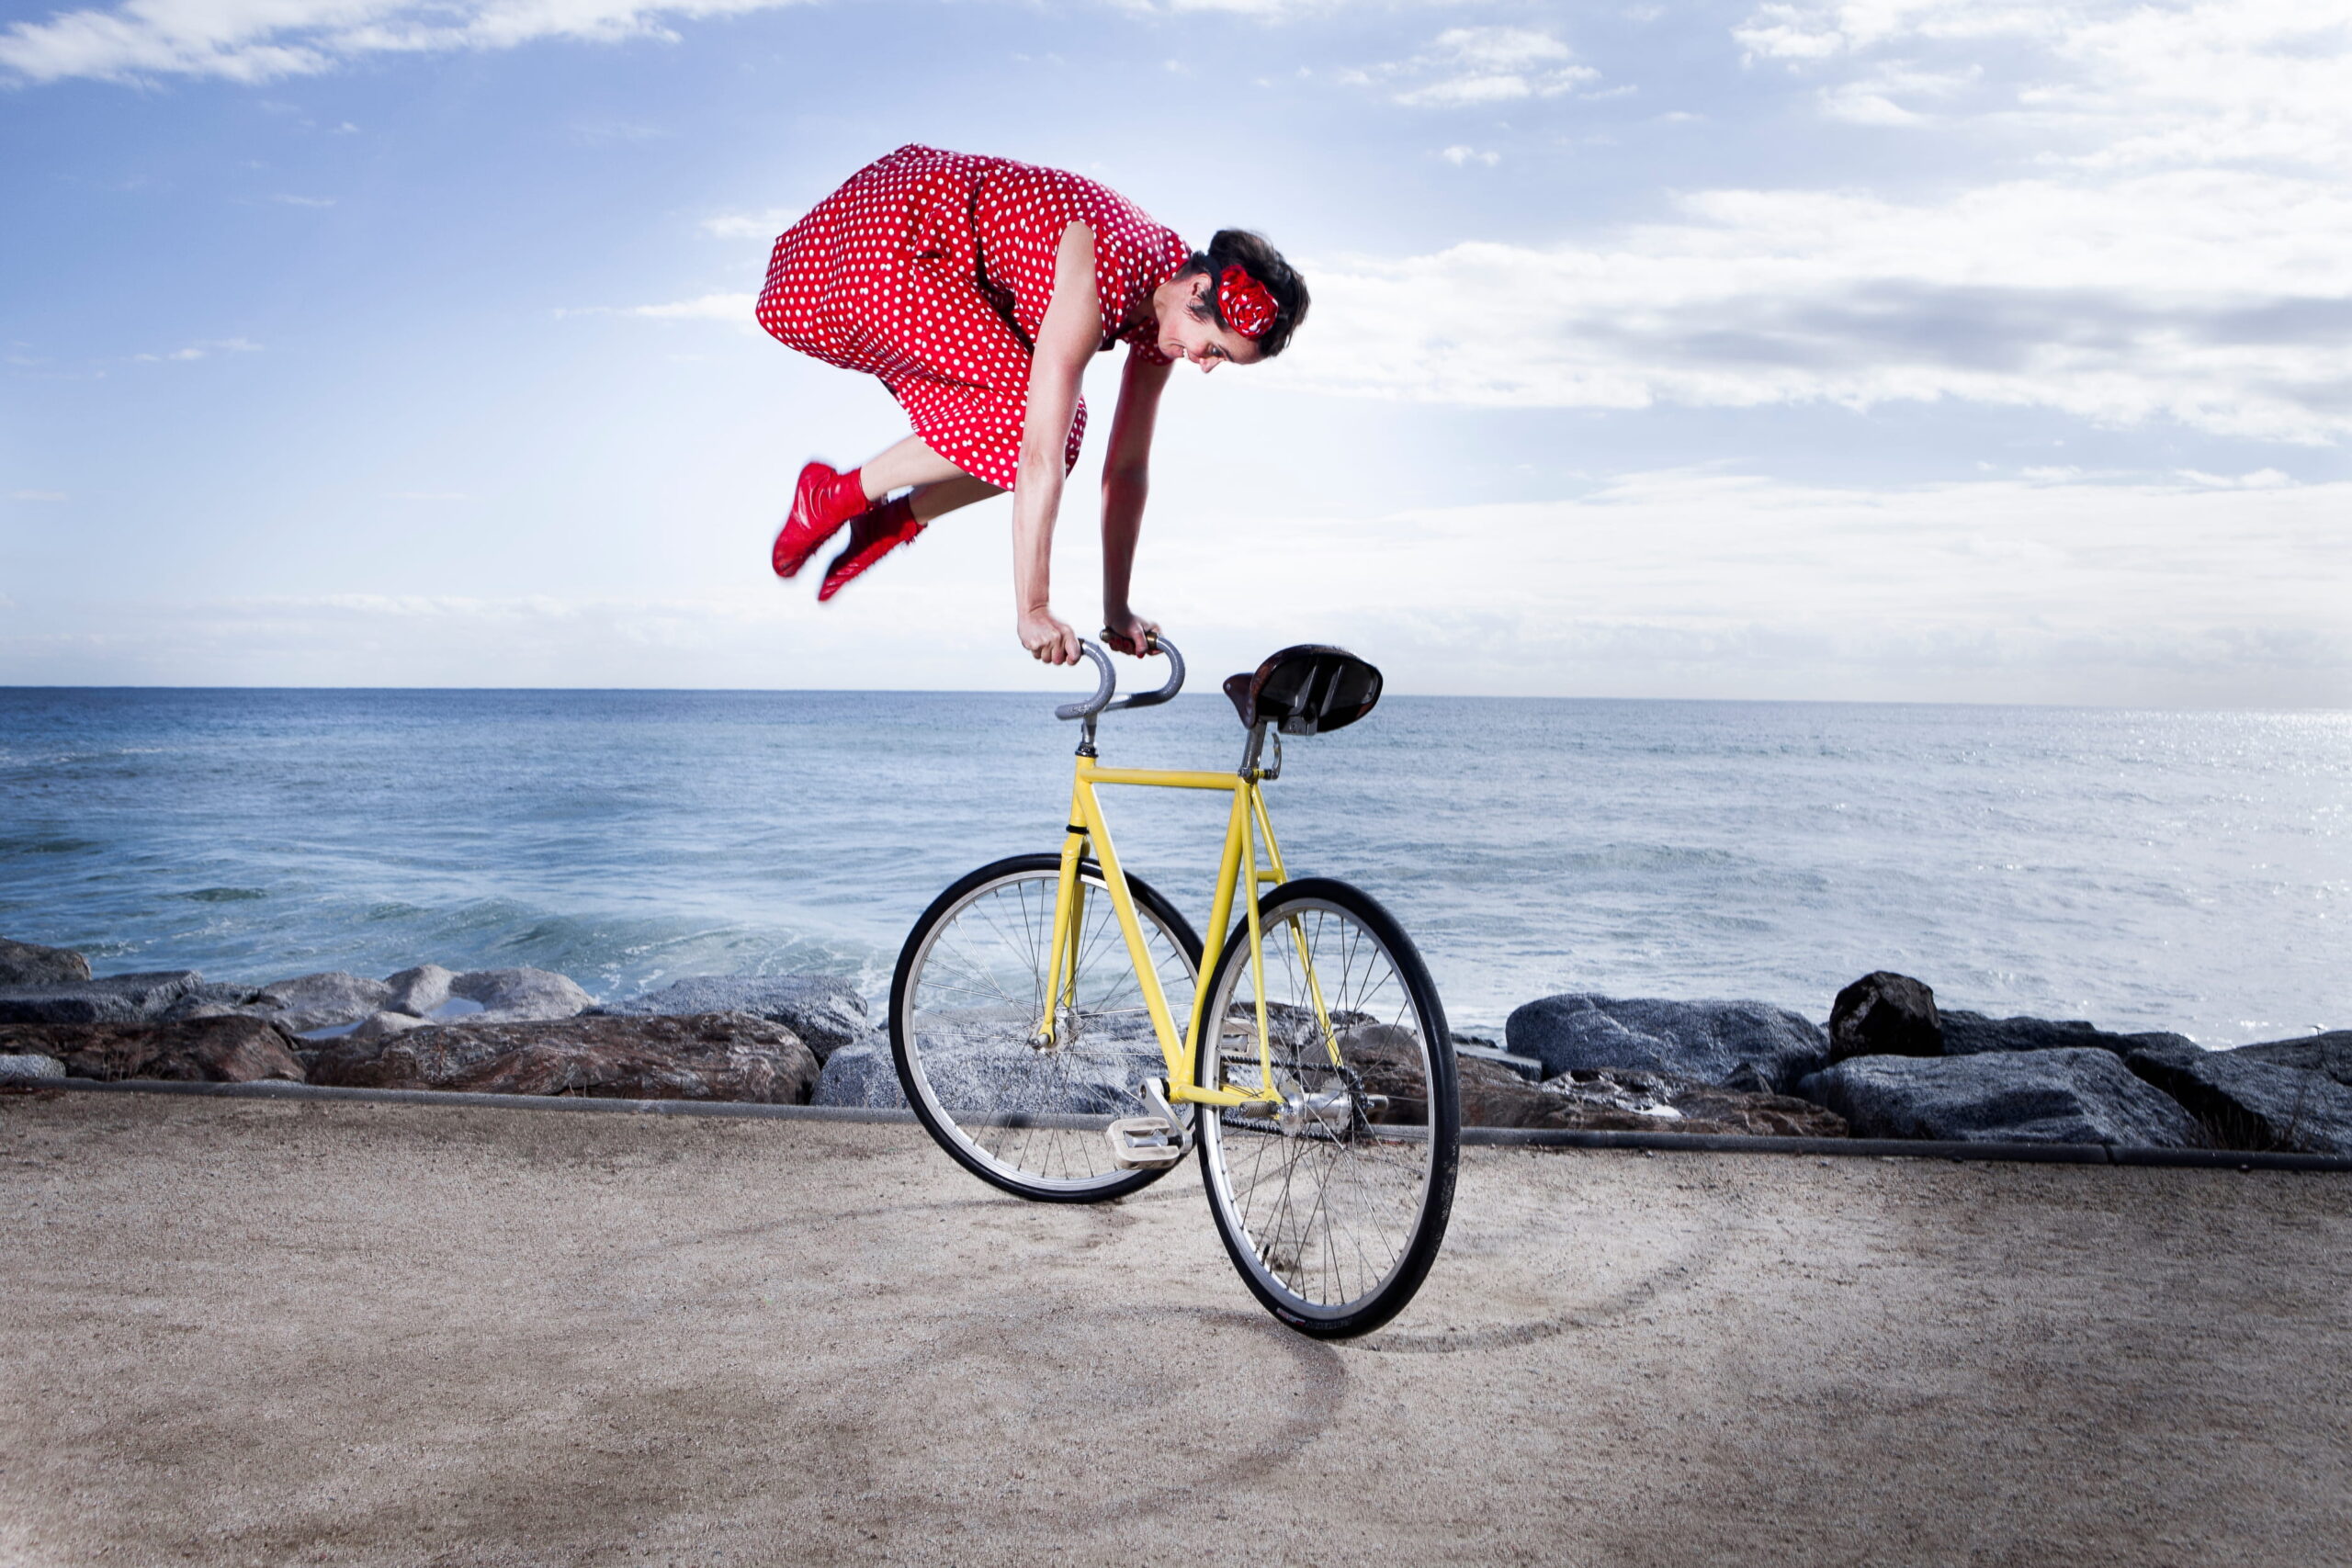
x=271, y=1089
x=1509, y=1137
x=1907, y=1148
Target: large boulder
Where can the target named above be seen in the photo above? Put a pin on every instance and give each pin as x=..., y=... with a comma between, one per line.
x=325, y=1000
x=29, y=1067
x=1884, y=1014
x=419, y=990
x=1974, y=1035
x=722, y=1055
x=205, y=1050
x=214, y=999
x=968, y=1063
x=861, y=1075
x=2246, y=1102
x=384, y=1025
x=823, y=1009
x=1744, y=1046
x=520, y=996
x=118, y=999
x=2330, y=1053
x=29, y=963
x=2082, y=1095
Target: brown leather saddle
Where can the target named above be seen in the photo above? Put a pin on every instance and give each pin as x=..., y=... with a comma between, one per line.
x=1305, y=690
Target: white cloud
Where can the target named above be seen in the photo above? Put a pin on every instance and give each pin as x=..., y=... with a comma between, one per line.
x=1681, y=583
x=2128, y=84
x=735, y=309
x=2169, y=235
x=1466, y=67
x=2220, y=301
x=200, y=351
x=1458, y=156
x=1691, y=583
x=764, y=225
x=255, y=40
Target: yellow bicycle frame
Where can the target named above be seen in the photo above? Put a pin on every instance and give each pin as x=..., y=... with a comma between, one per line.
x=1239, y=872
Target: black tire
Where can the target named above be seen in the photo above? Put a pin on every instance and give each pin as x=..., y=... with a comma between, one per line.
x=1334, y=1212
x=1030, y=1120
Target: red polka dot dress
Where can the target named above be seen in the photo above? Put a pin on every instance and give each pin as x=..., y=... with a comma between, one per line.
x=931, y=270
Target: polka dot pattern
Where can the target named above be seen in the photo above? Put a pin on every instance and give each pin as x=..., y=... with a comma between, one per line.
x=931, y=271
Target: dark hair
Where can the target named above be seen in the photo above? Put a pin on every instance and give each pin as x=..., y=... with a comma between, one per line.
x=1252, y=254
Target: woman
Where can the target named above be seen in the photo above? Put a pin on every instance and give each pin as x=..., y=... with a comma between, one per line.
x=977, y=289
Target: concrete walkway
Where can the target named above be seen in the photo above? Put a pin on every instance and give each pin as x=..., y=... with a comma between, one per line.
x=245, y=1332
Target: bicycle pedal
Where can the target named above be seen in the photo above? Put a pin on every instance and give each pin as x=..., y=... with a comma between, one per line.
x=1144, y=1143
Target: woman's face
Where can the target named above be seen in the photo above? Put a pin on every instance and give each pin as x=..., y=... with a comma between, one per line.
x=1183, y=335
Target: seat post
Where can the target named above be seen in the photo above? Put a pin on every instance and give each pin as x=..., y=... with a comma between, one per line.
x=1256, y=745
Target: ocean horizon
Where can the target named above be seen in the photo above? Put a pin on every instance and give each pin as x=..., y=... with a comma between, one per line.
x=2184, y=869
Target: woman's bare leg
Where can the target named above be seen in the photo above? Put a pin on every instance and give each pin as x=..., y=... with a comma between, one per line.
x=940, y=487
x=909, y=462
x=934, y=499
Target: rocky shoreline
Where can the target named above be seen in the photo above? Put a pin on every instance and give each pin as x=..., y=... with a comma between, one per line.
x=1889, y=1064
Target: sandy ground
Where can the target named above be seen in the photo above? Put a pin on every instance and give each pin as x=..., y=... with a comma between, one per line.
x=248, y=1332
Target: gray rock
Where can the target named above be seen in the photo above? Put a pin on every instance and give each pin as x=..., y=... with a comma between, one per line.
x=2080, y=1096
x=116, y=999
x=861, y=1073
x=29, y=963
x=213, y=1050
x=214, y=999
x=520, y=996
x=29, y=1067
x=320, y=1001
x=384, y=1025
x=823, y=1009
x=1974, y=1034
x=1884, y=1014
x=1621, y=1101
x=723, y=1056
x=1744, y=1046
x=2246, y=1102
x=2330, y=1053
x=970, y=1066
x=419, y=990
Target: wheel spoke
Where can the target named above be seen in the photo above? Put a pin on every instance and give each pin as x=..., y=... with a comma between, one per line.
x=1028, y=1115
x=1324, y=1206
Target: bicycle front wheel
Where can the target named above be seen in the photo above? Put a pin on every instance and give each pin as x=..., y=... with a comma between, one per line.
x=1333, y=1200
x=1018, y=1106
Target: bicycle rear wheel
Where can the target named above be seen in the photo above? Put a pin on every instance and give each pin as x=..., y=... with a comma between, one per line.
x=967, y=1003
x=1333, y=1204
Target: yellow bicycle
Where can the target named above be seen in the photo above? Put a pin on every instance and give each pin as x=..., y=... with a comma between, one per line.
x=1050, y=1030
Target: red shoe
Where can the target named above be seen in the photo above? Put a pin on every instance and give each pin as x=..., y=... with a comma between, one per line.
x=822, y=502
x=874, y=536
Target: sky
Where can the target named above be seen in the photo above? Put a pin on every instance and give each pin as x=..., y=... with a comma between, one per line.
x=1906, y=350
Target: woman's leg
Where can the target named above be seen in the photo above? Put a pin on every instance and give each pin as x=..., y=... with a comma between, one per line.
x=909, y=462
x=936, y=499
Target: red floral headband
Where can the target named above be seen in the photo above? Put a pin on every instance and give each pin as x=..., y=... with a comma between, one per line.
x=1244, y=303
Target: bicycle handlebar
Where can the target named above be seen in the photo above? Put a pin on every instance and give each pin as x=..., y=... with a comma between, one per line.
x=1107, y=681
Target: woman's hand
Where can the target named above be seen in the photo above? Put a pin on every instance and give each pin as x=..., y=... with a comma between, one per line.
x=1048, y=639
x=1130, y=633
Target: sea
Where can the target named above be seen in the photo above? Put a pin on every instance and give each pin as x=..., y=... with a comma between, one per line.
x=2140, y=869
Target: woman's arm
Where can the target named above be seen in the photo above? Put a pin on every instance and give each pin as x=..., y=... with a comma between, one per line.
x=1126, y=481
x=1067, y=338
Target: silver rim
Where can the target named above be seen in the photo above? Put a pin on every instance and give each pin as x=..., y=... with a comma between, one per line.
x=1325, y=1197
x=974, y=999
